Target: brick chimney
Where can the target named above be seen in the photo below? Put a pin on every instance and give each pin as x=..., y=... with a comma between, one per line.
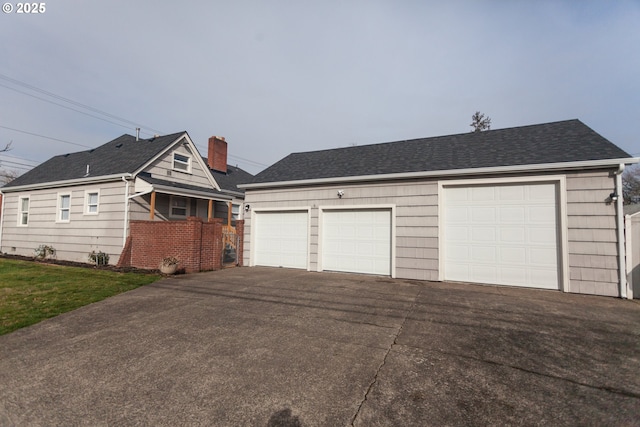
x=217, y=156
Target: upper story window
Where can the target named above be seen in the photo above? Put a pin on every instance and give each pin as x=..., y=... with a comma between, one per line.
x=64, y=207
x=181, y=162
x=92, y=199
x=179, y=207
x=23, y=212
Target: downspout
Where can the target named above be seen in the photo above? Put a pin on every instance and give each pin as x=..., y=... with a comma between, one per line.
x=4, y=196
x=126, y=211
x=622, y=268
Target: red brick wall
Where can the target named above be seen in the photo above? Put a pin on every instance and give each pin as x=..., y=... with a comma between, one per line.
x=196, y=244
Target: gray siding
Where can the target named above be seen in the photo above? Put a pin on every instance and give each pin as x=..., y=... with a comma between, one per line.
x=73, y=240
x=163, y=169
x=591, y=222
x=591, y=226
x=416, y=218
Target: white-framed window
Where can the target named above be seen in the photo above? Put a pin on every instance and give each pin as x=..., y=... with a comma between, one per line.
x=235, y=212
x=179, y=207
x=23, y=211
x=181, y=162
x=91, y=202
x=64, y=207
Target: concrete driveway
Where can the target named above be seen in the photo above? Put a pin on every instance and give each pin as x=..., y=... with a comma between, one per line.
x=278, y=347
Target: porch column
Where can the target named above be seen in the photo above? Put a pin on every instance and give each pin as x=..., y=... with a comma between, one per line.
x=210, y=212
x=152, y=210
x=229, y=208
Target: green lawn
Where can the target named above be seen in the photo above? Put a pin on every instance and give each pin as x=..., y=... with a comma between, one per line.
x=31, y=291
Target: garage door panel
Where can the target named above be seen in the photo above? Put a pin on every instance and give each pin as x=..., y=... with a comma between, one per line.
x=483, y=214
x=512, y=214
x=510, y=256
x=504, y=234
x=513, y=234
x=282, y=239
x=483, y=234
x=357, y=241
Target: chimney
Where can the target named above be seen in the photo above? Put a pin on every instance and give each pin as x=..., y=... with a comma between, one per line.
x=217, y=156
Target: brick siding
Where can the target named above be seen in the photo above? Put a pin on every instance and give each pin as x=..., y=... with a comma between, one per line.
x=195, y=243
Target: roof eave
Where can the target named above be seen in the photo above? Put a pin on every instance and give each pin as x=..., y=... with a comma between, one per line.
x=586, y=164
x=66, y=183
x=185, y=192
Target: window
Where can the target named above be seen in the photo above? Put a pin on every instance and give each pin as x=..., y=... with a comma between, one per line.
x=91, y=202
x=23, y=213
x=181, y=162
x=235, y=212
x=179, y=207
x=64, y=207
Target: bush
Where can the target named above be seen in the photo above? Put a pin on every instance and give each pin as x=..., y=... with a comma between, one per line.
x=44, y=251
x=99, y=258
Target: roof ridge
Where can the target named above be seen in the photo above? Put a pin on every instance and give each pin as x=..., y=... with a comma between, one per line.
x=453, y=135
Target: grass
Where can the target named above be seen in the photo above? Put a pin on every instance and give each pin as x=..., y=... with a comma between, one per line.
x=31, y=292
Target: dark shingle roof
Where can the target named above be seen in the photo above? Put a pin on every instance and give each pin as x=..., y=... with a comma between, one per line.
x=122, y=155
x=178, y=185
x=558, y=142
x=230, y=180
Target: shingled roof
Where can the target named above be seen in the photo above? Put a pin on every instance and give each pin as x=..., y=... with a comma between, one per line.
x=120, y=156
x=558, y=142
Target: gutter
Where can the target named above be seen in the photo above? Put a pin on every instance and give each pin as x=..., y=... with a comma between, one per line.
x=2, y=213
x=542, y=167
x=66, y=183
x=126, y=211
x=622, y=268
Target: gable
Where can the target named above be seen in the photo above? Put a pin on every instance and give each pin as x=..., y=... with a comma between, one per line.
x=180, y=164
x=123, y=155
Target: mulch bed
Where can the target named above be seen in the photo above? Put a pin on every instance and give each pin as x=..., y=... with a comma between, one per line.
x=54, y=261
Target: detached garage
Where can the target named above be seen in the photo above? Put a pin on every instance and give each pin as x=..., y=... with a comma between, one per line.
x=533, y=206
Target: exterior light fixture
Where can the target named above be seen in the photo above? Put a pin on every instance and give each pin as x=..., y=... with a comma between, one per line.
x=340, y=194
x=613, y=196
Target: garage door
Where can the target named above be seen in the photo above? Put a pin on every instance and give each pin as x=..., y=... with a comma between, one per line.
x=357, y=241
x=506, y=235
x=281, y=239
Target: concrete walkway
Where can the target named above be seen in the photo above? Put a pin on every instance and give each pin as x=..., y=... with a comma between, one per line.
x=278, y=347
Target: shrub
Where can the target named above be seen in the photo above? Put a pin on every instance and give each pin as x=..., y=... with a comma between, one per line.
x=99, y=258
x=44, y=251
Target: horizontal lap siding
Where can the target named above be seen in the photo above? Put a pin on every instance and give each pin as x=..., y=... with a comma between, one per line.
x=416, y=218
x=593, y=250
x=73, y=240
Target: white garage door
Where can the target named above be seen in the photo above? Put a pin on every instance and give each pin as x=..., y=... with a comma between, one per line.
x=357, y=241
x=506, y=235
x=281, y=239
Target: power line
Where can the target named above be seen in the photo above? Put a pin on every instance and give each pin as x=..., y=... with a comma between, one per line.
x=87, y=107
x=69, y=108
x=71, y=101
x=44, y=136
x=19, y=158
x=2, y=162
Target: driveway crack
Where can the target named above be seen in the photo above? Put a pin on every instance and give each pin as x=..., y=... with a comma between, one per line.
x=384, y=359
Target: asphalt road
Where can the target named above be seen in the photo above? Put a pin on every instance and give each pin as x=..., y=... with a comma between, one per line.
x=279, y=347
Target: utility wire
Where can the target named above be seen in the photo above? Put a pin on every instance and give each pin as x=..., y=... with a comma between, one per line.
x=87, y=107
x=72, y=109
x=44, y=136
x=76, y=103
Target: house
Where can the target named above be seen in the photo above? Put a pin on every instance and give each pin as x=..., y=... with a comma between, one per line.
x=82, y=202
x=534, y=206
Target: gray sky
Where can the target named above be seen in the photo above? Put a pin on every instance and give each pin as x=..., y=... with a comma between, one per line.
x=276, y=77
